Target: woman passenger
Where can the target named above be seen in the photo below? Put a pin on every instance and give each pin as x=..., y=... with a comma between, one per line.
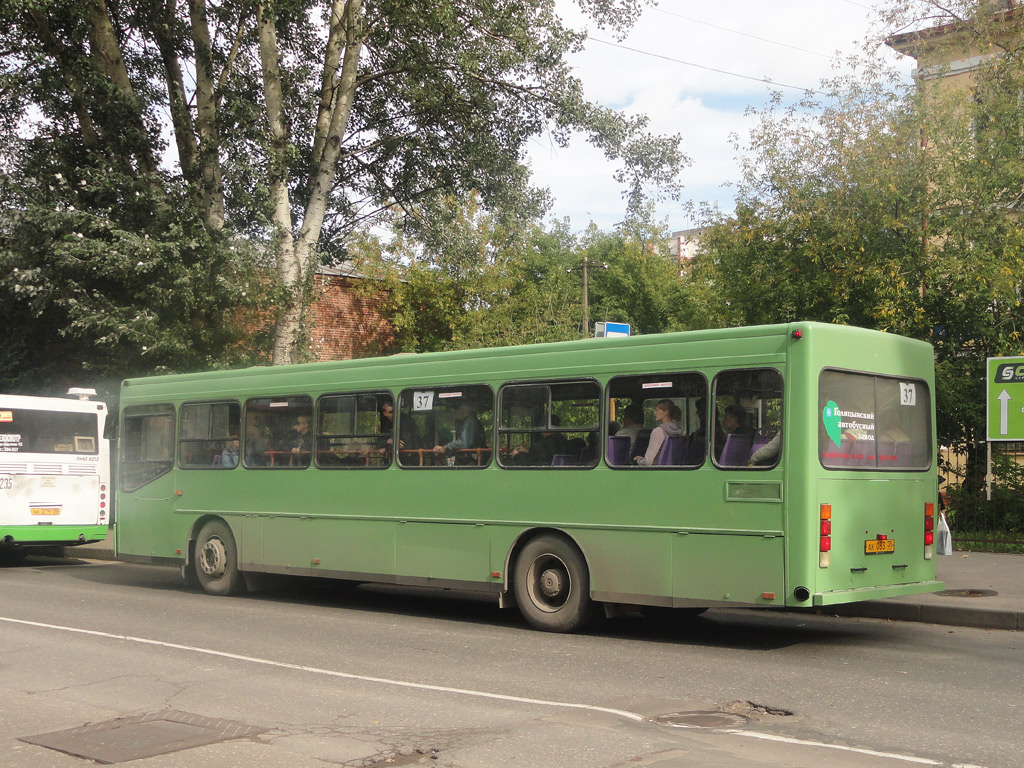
x=666, y=414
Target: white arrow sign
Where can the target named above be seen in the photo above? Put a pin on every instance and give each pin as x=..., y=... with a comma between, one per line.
x=1004, y=412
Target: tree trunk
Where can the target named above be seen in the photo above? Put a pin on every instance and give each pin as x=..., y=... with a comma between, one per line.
x=296, y=255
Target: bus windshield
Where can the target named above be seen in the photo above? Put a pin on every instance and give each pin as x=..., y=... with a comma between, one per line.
x=25, y=430
x=873, y=422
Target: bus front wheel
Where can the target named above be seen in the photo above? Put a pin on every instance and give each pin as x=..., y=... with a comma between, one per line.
x=552, y=585
x=216, y=560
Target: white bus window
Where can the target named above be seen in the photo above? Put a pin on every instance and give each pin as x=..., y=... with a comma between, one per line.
x=25, y=430
x=446, y=427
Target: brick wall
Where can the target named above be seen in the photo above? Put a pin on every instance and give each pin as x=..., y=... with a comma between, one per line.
x=345, y=323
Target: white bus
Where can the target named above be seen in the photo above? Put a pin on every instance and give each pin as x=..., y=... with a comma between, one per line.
x=54, y=473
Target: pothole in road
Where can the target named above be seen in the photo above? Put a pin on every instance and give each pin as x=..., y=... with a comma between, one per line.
x=732, y=715
x=968, y=593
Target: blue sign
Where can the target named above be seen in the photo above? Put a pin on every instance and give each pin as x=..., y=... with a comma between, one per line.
x=611, y=329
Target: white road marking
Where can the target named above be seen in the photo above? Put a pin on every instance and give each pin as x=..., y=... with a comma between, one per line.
x=633, y=716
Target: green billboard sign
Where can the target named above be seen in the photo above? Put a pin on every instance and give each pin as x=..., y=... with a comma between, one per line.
x=1005, y=398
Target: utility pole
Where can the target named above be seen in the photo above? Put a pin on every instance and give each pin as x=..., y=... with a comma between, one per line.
x=585, y=329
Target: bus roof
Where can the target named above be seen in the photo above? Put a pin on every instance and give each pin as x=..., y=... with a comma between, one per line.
x=505, y=356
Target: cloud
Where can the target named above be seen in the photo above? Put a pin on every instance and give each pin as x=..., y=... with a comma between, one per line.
x=730, y=48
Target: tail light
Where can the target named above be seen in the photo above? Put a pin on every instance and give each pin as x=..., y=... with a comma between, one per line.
x=929, y=530
x=103, y=501
x=825, y=536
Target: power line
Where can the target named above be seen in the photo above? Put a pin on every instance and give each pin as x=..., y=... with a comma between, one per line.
x=744, y=34
x=763, y=80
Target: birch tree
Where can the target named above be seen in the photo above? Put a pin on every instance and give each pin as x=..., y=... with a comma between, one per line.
x=293, y=122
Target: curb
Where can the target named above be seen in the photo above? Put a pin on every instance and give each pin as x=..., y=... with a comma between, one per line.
x=980, y=618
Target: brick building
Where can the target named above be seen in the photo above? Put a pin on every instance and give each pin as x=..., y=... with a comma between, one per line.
x=345, y=320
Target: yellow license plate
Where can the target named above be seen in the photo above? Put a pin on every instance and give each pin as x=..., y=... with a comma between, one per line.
x=45, y=510
x=874, y=546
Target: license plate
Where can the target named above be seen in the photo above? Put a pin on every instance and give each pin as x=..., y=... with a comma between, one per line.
x=874, y=546
x=45, y=510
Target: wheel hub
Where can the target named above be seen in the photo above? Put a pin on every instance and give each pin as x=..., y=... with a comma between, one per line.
x=551, y=583
x=212, y=558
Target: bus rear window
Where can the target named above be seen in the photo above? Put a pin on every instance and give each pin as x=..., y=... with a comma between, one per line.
x=873, y=422
x=24, y=430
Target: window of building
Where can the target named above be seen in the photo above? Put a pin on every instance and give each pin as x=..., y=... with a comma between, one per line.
x=278, y=432
x=446, y=426
x=355, y=430
x=657, y=420
x=550, y=424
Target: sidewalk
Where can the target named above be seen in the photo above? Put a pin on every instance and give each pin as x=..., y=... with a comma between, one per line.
x=982, y=590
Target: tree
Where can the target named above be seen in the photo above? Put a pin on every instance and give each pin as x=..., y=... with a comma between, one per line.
x=311, y=118
x=843, y=217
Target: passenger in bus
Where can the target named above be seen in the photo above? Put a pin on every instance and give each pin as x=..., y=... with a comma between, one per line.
x=469, y=433
x=734, y=421
x=543, y=448
x=768, y=452
x=632, y=425
x=302, y=443
x=229, y=456
x=409, y=436
x=666, y=414
x=257, y=441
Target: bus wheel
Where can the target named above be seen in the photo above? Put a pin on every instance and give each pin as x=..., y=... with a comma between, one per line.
x=216, y=560
x=552, y=585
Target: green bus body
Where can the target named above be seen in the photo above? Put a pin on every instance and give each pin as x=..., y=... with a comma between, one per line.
x=700, y=535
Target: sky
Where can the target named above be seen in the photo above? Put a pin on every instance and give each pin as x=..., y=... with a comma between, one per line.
x=790, y=42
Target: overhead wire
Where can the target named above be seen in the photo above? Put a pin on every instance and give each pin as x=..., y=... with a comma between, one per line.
x=763, y=80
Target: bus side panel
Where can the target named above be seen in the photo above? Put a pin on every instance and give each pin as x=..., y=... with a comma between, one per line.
x=286, y=543
x=145, y=517
x=443, y=551
x=354, y=547
x=729, y=567
x=628, y=566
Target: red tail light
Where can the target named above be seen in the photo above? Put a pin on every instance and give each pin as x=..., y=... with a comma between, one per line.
x=929, y=529
x=825, y=542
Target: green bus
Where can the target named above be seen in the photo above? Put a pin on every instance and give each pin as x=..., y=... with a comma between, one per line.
x=786, y=465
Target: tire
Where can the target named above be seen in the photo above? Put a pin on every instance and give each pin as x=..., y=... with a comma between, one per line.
x=552, y=585
x=216, y=560
x=11, y=555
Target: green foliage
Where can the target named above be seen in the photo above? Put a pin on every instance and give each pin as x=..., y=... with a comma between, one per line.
x=98, y=281
x=471, y=278
x=842, y=217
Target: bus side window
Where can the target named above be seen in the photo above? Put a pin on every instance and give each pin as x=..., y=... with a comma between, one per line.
x=747, y=418
x=446, y=427
x=209, y=436
x=147, y=444
x=355, y=430
x=550, y=425
x=278, y=432
x=636, y=436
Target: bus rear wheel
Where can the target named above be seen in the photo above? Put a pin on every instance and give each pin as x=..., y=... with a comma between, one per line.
x=216, y=560
x=552, y=585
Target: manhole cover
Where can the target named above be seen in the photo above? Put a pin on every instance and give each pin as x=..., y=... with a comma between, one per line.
x=133, y=738
x=700, y=720
x=968, y=593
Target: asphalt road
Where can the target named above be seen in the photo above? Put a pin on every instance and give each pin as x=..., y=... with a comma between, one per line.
x=385, y=677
